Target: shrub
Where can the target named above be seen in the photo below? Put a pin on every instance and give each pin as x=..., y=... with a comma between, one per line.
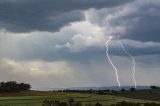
x=98, y=104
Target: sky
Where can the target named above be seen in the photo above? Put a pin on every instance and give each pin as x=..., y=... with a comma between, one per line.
x=61, y=43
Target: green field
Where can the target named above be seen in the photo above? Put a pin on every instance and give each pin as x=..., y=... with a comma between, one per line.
x=36, y=100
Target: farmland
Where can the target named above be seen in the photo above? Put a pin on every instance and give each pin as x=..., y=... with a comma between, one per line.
x=35, y=98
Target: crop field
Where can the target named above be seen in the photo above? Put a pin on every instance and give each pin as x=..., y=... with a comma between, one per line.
x=38, y=98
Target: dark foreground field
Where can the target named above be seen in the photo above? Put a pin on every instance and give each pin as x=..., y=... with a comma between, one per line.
x=35, y=98
x=150, y=94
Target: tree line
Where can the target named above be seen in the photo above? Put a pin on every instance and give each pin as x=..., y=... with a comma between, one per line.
x=13, y=86
x=102, y=91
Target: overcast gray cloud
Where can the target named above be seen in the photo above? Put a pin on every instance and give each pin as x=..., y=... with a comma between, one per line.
x=79, y=48
x=65, y=39
x=98, y=72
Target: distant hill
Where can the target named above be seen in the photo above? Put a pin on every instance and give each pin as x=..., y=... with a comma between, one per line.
x=110, y=88
x=93, y=88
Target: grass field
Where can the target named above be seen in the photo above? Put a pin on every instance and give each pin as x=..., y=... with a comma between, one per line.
x=36, y=98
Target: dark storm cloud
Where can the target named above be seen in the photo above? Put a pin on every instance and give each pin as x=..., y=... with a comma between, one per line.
x=147, y=27
x=45, y=15
x=154, y=50
x=29, y=15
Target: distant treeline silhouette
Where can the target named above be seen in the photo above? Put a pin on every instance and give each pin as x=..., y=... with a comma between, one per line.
x=154, y=87
x=96, y=91
x=13, y=86
x=102, y=91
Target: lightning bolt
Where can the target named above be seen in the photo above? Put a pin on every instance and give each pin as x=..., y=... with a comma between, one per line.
x=133, y=63
x=114, y=67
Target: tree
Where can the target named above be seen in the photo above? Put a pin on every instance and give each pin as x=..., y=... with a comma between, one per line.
x=24, y=87
x=123, y=90
x=154, y=87
x=10, y=86
x=13, y=86
x=132, y=89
